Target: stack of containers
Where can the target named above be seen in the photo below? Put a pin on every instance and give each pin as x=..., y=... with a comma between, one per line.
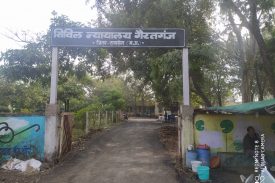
x=199, y=161
x=204, y=154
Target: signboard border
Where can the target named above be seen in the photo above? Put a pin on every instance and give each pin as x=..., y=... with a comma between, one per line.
x=106, y=29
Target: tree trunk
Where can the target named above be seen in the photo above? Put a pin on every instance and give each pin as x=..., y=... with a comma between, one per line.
x=135, y=106
x=219, y=96
x=219, y=90
x=254, y=28
x=244, y=72
x=267, y=63
x=142, y=105
x=259, y=83
x=67, y=105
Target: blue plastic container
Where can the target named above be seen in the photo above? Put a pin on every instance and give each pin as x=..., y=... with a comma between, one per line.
x=204, y=156
x=203, y=172
x=190, y=156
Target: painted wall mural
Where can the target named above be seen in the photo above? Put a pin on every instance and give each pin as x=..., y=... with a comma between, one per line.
x=225, y=133
x=22, y=137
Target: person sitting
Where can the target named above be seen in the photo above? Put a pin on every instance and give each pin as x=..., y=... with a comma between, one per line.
x=249, y=141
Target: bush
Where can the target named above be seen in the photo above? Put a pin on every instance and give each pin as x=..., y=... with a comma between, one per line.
x=4, y=109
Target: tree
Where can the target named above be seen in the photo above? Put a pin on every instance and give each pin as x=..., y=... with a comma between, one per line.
x=20, y=97
x=191, y=15
x=26, y=65
x=253, y=15
x=138, y=93
x=5, y=95
x=71, y=89
x=29, y=67
x=165, y=78
x=109, y=93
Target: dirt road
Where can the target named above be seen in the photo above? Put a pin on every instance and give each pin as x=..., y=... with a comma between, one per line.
x=128, y=153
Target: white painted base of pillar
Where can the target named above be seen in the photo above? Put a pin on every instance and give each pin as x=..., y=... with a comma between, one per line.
x=51, y=133
x=187, y=130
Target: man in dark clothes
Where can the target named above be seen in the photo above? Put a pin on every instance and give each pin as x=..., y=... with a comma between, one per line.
x=249, y=141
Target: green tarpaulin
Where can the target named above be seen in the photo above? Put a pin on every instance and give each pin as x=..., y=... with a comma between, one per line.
x=246, y=107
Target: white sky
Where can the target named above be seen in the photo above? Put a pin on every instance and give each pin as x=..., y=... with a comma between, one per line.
x=34, y=16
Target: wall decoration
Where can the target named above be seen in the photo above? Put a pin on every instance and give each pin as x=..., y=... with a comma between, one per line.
x=238, y=144
x=199, y=125
x=227, y=126
x=22, y=137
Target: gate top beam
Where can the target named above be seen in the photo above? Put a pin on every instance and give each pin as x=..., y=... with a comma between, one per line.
x=118, y=37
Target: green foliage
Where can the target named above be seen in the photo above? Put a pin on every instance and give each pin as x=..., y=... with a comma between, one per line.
x=112, y=98
x=31, y=97
x=257, y=17
x=165, y=76
x=106, y=95
x=80, y=114
x=146, y=74
x=25, y=65
x=25, y=73
x=71, y=89
x=109, y=93
x=270, y=43
x=23, y=97
x=161, y=68
x=7, y=89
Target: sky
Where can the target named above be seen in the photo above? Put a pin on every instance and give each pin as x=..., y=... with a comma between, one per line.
x=34, y=16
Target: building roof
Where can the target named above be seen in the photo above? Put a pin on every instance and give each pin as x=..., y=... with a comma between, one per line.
x=266, y=106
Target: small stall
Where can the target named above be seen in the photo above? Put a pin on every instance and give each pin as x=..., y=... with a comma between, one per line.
x=223, y=130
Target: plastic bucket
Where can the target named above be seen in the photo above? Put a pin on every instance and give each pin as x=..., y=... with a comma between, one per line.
x=204, y=156
x=203, y=172
x=190, y=156
x=195, y=165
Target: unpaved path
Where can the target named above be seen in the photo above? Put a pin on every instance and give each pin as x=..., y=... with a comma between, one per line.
x=128, y=153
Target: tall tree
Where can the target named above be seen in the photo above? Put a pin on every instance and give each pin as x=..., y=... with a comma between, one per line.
x=29, y=67
x=254, y=14
x=191, y=15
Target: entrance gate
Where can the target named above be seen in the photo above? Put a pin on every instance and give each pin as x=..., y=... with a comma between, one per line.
x=106, y=38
